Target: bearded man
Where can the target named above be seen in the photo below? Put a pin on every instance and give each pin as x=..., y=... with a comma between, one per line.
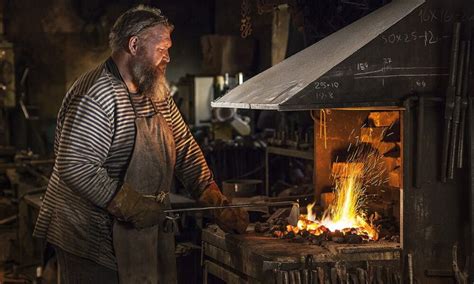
x=120, y=139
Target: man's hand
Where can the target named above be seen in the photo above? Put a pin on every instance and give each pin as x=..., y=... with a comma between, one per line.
x=131, y=206
x=230, y=220
x=233, y=220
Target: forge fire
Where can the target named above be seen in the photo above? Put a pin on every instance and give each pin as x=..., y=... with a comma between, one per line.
x=346, y=218
x=346, y=213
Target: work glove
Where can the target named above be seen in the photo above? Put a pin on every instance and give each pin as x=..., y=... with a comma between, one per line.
x=131, y=206
x=230, y=220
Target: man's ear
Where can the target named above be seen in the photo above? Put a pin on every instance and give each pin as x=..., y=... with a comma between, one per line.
x=133, y=45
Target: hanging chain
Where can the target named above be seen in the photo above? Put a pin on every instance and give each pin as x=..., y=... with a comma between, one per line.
x=266, y=6
x=245, y=23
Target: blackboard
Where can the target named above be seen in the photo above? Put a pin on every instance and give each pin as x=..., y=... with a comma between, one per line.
x=411, y=56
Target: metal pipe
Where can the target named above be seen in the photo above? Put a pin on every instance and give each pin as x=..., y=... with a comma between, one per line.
x=362, y=275
x=297, y=276
x=456, y=112
x=419, y=142
x=333, y=276
x=450, y=93
x=292, y=276
x=305, y=276
x=453, y=67
x=410, y=268
x=465, y=90
x=39, y=162
x=286, y=278
x=279, y=276
x=321, y=275
x=8, y=219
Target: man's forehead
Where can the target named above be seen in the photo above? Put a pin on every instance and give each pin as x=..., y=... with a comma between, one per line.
x=159, y=32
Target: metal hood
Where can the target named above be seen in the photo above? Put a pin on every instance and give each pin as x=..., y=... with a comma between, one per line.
x=287, y=85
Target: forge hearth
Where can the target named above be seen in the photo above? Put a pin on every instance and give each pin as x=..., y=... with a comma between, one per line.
x=255, y=258
x=355, y=238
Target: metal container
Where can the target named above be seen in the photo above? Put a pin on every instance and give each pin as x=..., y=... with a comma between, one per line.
x=241, y=187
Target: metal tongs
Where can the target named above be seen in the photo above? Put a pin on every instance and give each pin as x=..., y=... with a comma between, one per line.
x=244, y=205
x=172, y=214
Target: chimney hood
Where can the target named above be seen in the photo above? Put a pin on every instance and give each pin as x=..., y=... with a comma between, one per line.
x=290, y=85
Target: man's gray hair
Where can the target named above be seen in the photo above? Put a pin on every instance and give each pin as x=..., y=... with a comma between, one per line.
x=132, y=23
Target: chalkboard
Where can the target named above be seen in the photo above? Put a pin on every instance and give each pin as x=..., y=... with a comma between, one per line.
x=412, y=56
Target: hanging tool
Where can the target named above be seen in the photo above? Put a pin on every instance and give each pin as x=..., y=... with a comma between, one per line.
x=461, y=276
x=456, y=112
x=411, y=279
x=464, y=95
x=419, y=142
x=449, y=102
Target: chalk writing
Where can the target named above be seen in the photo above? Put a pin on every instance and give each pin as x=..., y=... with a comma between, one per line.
x=428, y=37
x=443, y=16
x=362, y=66
x=321, y=85
x=324, y=95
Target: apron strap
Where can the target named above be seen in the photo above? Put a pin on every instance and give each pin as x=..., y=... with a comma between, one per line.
x=160, y=197
x=155, y=109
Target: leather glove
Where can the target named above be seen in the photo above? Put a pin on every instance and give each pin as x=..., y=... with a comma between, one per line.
x=230, y=220
x=131, y=206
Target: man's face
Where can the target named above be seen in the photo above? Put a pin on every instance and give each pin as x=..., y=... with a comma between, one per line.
x=150, y=61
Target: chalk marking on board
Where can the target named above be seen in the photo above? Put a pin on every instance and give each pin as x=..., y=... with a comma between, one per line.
x=388, y=68
x=369, y=72
x=417, y=67
x=401, y=75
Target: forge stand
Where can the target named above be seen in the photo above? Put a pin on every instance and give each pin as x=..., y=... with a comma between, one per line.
x=253, y=258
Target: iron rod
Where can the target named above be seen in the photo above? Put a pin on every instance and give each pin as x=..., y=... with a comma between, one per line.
x=465, y=91
x=246, y=205
x=449, y=102
x=456, y=112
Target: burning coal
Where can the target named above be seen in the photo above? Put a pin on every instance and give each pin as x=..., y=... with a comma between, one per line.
x=363, y=167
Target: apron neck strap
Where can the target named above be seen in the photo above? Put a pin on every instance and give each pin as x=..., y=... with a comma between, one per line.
x=130, y=97
x=154, y=105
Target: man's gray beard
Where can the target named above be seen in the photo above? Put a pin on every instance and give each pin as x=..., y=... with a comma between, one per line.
x=161, y=88
x=151, y=82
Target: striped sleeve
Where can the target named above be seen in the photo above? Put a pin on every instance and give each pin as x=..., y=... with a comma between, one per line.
x=85, y=140
x=191, y=167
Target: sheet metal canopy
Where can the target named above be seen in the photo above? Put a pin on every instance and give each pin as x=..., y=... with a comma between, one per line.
x=272, y=88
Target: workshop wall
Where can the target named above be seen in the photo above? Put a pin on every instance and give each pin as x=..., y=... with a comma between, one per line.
x=62, y=39
x=58, y=40
x=56, y=44
x=228, y=17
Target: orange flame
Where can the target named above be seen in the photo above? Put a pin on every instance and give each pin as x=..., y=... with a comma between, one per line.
x=345, y=214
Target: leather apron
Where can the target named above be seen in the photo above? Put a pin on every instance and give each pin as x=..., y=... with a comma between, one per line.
x=148, y=255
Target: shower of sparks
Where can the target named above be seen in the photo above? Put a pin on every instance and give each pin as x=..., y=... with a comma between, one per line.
x=363, y=168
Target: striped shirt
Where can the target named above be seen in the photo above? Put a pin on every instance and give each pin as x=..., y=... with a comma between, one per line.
x=94, y=140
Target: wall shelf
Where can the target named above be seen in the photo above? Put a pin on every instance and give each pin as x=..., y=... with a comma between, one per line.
x=287, y=152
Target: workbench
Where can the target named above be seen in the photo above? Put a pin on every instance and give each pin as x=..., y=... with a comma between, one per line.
x=255, y=258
